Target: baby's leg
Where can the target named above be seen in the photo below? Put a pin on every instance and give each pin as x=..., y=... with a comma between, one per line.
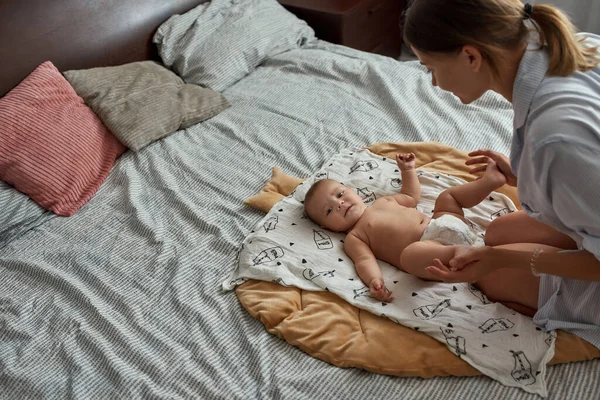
x=419, y=255
x=454, y=199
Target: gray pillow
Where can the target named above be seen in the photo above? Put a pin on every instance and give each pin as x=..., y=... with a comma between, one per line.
x=143, y=101
x=218, y=43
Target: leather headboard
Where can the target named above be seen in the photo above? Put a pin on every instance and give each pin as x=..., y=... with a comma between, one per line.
x=77, y=34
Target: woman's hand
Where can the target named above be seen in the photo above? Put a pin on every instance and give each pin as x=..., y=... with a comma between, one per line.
x=469, y=264
x=500, y=159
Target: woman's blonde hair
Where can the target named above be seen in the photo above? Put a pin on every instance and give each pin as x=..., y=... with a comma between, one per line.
x=494, y=25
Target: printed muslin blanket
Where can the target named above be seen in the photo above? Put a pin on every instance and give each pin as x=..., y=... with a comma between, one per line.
x=288, y=248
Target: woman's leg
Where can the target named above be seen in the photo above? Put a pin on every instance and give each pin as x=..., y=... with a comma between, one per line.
x=518, y=227
x=515, y=288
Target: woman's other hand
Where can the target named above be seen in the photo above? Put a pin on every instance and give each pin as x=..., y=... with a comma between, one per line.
x=482, y=156
x=469, y=264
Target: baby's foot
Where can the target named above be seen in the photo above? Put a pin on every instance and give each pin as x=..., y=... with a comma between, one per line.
x=493, y=174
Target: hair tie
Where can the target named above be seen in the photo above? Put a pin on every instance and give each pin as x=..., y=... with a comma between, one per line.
x=528, y=10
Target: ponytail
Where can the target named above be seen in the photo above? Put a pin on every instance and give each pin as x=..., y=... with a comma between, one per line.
x=567, y=53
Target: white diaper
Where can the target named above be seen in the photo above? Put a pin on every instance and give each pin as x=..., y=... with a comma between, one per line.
x=450, y=230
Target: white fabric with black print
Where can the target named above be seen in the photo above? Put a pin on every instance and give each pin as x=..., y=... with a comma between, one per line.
x=288, y=248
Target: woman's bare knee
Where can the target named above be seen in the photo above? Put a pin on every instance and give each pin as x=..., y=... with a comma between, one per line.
x=518, y=227
x=497, y=233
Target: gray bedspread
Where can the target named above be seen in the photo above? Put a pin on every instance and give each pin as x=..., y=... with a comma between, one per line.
x=123, y=300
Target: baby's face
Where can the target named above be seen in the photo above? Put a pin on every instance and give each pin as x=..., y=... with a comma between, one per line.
x=336, y=207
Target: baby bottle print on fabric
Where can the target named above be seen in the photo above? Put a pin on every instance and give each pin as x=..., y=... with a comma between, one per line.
x=522, y=371
x=268, y=255
x=432, y=310
x=322, y=240
x=496, y=325
x=271, y=223
x=456, y=342
x=364, y=166
x=367, y=195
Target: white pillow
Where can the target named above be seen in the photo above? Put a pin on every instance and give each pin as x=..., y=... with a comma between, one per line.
x=218, y=43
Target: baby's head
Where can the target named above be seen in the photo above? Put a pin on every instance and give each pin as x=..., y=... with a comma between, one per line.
x=333, y=205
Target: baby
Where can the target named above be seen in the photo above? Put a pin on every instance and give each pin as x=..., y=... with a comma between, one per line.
x=393, y=230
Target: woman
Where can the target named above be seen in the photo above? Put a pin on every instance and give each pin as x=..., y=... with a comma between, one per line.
x=545, y=260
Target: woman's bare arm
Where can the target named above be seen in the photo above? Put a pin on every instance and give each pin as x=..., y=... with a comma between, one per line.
x=473, y=264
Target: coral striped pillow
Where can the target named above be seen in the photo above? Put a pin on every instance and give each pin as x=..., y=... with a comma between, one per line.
x=53, y=147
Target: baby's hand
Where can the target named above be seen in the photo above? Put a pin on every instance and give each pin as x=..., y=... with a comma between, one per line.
x=493, y=174
x=405, y=161
x=379, y=291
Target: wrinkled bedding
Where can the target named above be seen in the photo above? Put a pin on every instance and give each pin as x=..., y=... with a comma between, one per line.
x=123, y=299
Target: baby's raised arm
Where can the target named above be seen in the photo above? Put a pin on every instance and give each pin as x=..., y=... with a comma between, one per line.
x=410, y=194
x=366, y=266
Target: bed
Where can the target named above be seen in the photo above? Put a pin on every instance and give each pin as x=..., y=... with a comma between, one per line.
x=123, y=299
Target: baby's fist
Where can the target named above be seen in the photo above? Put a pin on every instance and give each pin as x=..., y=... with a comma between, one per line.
x=379, y=291
x=405, y=161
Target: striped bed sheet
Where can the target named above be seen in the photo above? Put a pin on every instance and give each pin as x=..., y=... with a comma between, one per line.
x=123, y=299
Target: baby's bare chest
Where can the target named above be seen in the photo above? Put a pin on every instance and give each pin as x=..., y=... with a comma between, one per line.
x=389, y=228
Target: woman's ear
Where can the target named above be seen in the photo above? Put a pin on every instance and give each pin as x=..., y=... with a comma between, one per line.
x=472, y=57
